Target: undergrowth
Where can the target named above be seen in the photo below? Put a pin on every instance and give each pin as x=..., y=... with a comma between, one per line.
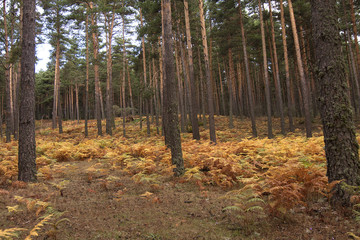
x=271, y=176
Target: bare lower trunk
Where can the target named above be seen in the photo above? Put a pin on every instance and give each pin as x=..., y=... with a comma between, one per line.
x=266, y=74
x=27, y=144
x=207, y=73
x=170, y=101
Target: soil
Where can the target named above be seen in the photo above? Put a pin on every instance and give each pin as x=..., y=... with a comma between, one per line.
x=123, y=209
x=106, y=203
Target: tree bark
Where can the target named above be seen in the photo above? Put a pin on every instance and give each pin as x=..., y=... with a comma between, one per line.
x=290, y=103
x=277, y=75
x=341, y=146
x=27, y=144
x=96, y=72
x=109, y=102
x=304, y=88
x=266, y=74
x=207, y=73
x=170, y=101
x=193, y=104
x=86, y=111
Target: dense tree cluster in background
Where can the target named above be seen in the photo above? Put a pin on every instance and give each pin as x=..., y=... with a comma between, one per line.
x=234, y=58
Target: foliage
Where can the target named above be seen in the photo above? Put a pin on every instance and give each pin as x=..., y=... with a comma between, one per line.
x=270, y=176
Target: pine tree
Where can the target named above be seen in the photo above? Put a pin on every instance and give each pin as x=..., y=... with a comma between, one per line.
x=27, y=145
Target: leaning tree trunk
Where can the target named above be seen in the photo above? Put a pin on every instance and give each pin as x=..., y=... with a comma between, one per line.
x=27, y=144
x=170, y=91
x=341, y=146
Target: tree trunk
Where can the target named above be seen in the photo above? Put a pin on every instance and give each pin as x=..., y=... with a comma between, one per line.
x=86, y=112
x=290, y=103
x=27, y=144
x=221, y=89
x=202, y=90
x=124, y=81
x=96, y=72
x=193, y=104
x=231, y=81
x=207, y=73
x=170, y=101
x=9, y=107
x=109, y=103
x=353, y=20
x=266, y=74
x=181, y=94
x=77, y=103
x=341, y=146
x=277, y=75
x=354, y=70
x=304, y=87
x=56, y=81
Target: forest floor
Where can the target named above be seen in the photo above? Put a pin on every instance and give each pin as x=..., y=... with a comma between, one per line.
x=122, y=188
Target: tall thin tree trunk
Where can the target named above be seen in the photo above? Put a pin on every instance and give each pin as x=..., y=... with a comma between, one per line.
x=202, y=90
x=8, y=85
x=353, y=20
x=181, y=94
x=56, y=81
x=304, y=87
x=231, y=81
x=290, y=103
x=96, y=72
x=86, y=112
x=170, y=102
x=124, y=80
x=77, y=102
x=193, y=104
x=27, y=144
x=221, y=90
x=277, y=75
x=266, y=74
x=354, y=69
x=109, y=90
x=207, y=73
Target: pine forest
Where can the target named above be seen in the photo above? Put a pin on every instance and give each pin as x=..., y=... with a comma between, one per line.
x=186, y=119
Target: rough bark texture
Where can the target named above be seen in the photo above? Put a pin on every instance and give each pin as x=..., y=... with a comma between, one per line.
x=341, y=146
x=170, y=92
x=27, y=144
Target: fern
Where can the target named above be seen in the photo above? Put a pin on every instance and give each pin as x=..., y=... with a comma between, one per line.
x=11, y=233
x=37, y=228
